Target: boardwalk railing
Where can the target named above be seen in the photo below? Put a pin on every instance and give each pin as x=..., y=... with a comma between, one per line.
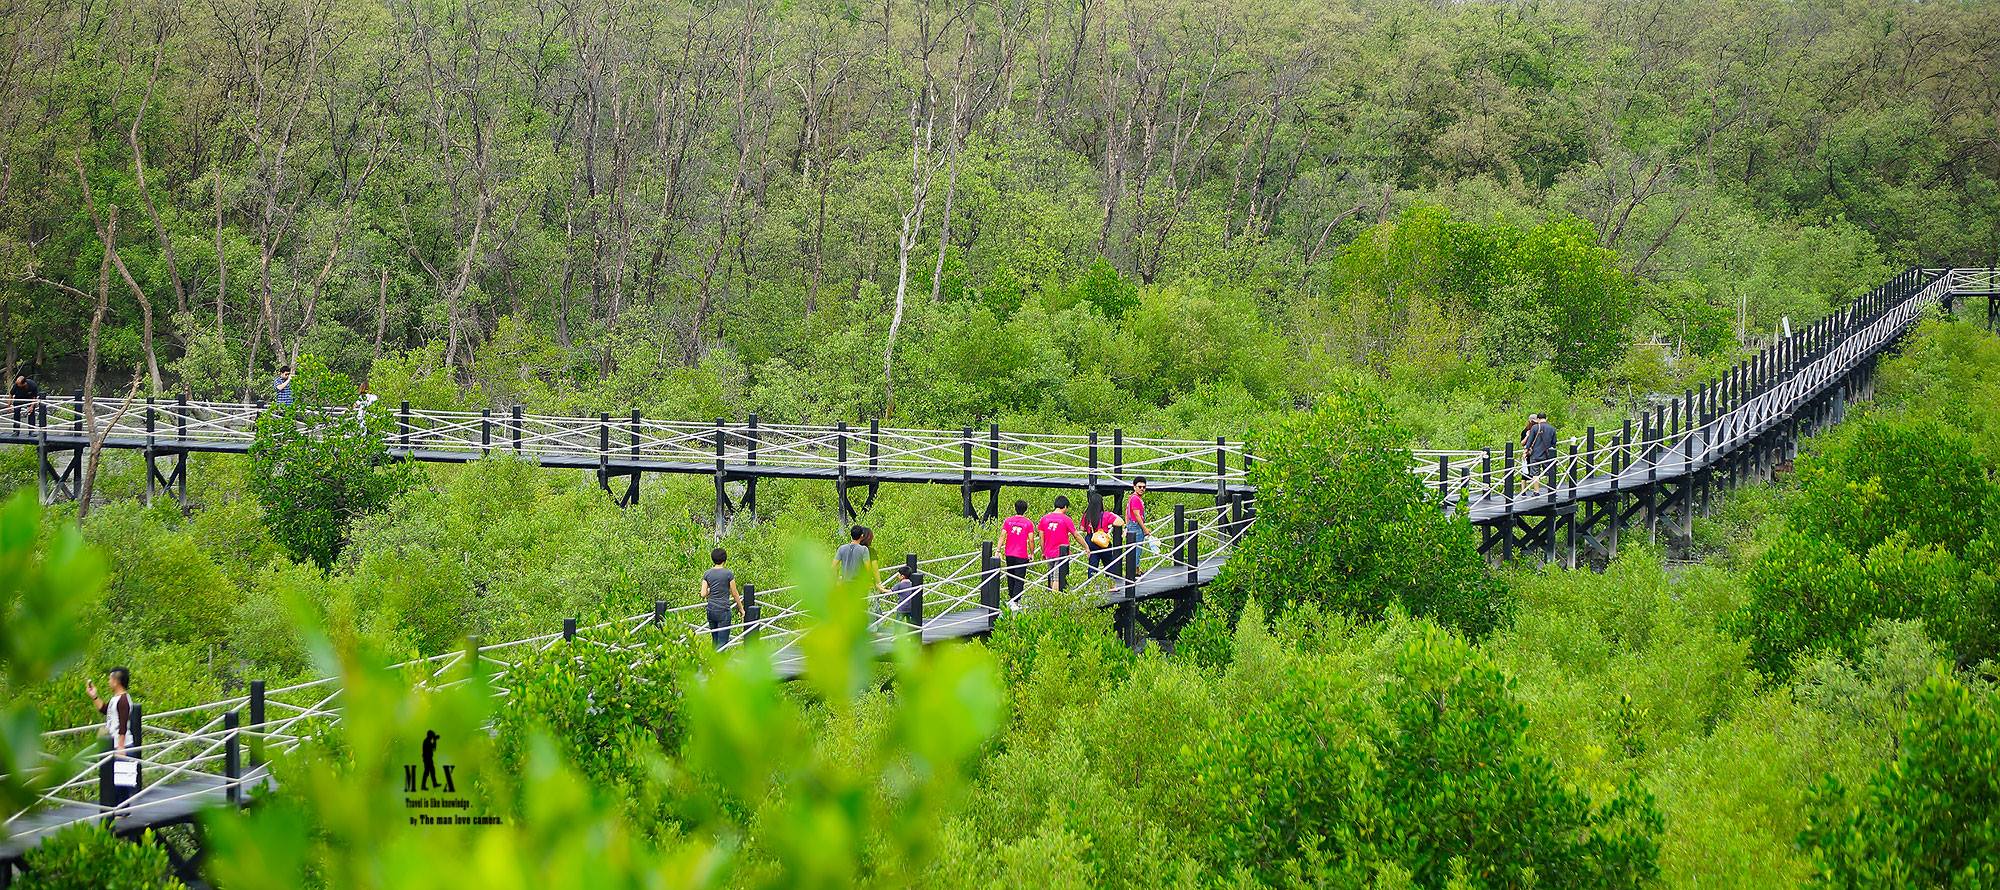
x=194, y=756
x=1709, y=421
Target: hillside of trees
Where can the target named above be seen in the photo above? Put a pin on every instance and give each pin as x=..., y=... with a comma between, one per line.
x=1339, y=230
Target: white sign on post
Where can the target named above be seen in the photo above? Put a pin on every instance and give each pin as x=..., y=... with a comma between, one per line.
x=125, y=773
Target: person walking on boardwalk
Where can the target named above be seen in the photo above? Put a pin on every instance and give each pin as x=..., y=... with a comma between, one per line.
x=1538, y=442
x=1136, y=529
x=721, y=595
x=118, y=725
x=281, y=385
x=1057, y=531
x=1016, y=533
x=1098, y=522
x=856, y=558
x=25, y=393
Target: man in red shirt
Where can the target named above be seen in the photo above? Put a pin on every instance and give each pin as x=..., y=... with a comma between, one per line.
x=1015, y=533
x=1136, y=529
x=1058, y=531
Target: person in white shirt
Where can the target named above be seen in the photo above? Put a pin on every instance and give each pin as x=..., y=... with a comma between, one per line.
x=117, y=714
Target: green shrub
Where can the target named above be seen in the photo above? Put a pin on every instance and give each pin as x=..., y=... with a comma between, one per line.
x=1884, y=476
x=1930, y=818
x=1342, y=522
x=317, y=467
x=90, y=857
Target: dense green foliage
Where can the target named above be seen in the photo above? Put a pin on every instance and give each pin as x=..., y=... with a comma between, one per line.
x=1896, y=515
x=318, y=463
x=1343, y=524
x=1930, y=818
x=1176, y=217
x=90, y=857
x=44, y=586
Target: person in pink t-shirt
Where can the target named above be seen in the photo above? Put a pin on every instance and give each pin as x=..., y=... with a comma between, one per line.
x=1016, y=532
x=1058, y=531
x=1136, y=529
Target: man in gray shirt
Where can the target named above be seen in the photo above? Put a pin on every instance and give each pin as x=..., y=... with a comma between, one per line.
x=722, y=597
x=856, y=557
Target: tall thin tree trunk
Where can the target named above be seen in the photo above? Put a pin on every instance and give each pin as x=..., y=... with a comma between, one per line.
x=381, y=317
x=90, y=372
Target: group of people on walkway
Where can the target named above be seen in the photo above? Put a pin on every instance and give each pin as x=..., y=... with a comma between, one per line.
x=1057, y=536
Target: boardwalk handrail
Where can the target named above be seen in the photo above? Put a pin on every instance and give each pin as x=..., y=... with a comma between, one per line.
x=961, y=593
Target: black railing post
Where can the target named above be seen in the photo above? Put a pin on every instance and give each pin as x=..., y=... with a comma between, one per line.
x=403, y=424
x=1486, y=468
x=603, y=438
x=149, y=423
x=181, y=422
x=1118, y=453
x=1221, y=470
x=659, y=612
x=1193, y=557
x=989, y=579
x=756, y=438
x=1093, y=461
x=569, y=629
x=1507, y=471
x=232, y=758
x=1444, y=477
x=753, y=611
x=78, y=425
x=517, y=429
x=993, y=448
x=1180, y=531
x=256, y=723
x=107, y=787
x=912, y=606
x=719, y=445
x=1062, y=567
x=874, y=451
x=634, y=431
x=485, y=431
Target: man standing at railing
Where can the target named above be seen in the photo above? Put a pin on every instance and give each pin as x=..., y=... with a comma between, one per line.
x=718, y=589
x=118, y=725
x=26, y=393
x=281, y=386
x=1135, y=519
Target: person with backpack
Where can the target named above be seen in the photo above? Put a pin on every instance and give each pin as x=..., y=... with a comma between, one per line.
x=1016, y=533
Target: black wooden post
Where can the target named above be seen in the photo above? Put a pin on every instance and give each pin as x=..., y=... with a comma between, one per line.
x=569, y=629
x=232, y=758
x=1062, y=567
x=403, y=424
x=1486, y=468
x=753, y=612
x=912, y=606
x=1193, y=558
x=659, y=612
x=107, y=790
x=989, y=579
x=1507, y=471
x=1093, y=461
x=874, y=451
x=485, y=431
x=1221, y=470
x=993, y=449
x=634, y=430
x=256, y=723
x=965, y=472
x=1118, y=453
x=1444, y=478
x=603, y=437
x=719, y=444
x=517, y=429
x=1180, y=531
x=756, y=438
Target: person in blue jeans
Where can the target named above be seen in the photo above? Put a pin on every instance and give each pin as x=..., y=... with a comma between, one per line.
x=722, y=597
